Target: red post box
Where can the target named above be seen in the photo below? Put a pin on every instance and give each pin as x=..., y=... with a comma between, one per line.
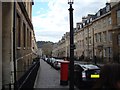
x=64, y=73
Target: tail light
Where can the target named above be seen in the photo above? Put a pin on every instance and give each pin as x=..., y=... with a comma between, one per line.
x=83, y=75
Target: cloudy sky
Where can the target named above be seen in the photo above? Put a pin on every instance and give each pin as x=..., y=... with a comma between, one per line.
x=51, y=17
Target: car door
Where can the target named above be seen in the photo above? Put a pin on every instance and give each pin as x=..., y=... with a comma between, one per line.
x=77, y=74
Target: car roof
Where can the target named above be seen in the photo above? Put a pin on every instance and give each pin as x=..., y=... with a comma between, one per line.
x=59, y=60
x=88, y=66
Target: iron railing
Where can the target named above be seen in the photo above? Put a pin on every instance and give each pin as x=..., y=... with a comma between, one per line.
x=28, y=79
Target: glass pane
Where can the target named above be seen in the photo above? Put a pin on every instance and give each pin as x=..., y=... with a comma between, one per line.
x=118, y=17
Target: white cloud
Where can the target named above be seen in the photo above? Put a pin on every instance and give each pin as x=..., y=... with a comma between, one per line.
x=57, y=18
x=47, y=36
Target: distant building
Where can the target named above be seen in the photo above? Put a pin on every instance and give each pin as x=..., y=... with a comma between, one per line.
x=39, y=52
x=24, y=40
x=34, y=46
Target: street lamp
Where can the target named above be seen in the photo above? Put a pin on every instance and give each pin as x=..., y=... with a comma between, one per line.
x=70, y=2
x=14, y=49
x=71, y=66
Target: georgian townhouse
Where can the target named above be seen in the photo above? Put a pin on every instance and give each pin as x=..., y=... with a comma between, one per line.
x=18, y=40
x=98, y=35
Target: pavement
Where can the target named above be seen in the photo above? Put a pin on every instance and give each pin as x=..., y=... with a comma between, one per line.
x=49, y=78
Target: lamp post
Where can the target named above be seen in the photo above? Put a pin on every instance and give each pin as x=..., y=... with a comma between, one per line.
x=71, y=66
x=14, y=49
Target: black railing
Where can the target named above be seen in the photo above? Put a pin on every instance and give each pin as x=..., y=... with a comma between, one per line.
x=28, y=79
x=7, y=86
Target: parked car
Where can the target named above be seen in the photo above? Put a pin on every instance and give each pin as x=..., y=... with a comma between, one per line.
x=57, y=64
x=85, y=75
x=45, y=59
x=48, y=60
x=52, y=61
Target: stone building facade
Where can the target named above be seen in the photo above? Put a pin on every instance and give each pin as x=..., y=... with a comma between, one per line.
x=35, y=51
x=115, y=14
x=24, y=40
x=61, y=49
x=96, y=35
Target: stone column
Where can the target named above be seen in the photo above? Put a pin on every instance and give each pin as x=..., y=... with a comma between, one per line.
x=6, y=42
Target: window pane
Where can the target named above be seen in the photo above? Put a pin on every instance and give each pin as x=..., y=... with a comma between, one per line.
x=104, y=36
x=24, y=35
x=119, y=39
x=110, y=36
x=19, y=30
x=118, y=17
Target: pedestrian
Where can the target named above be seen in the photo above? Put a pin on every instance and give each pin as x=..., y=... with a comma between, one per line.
x=82, y=57
x=109, y=77
x=95, y=59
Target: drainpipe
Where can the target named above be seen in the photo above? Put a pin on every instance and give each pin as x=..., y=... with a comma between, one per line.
x=14, y=49
x=88, y=46
x=94, y=57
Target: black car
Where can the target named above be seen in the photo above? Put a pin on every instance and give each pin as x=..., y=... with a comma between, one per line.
x=85, y=75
